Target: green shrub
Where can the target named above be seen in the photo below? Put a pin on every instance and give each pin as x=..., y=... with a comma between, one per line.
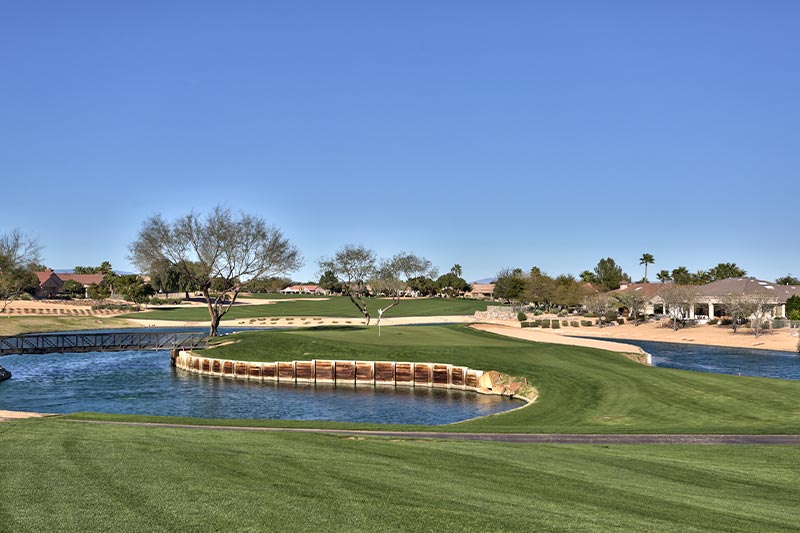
x=794, y=314
x=537, y=323
x=726, y=322
x=586, y=323
x=562, y=313
x=555, y=324
x=545, y=323
x=25, y=296
x=116, y=307
x=713, y=322
x=611, y=316
x=620, y=321
x=565, y=322
x=574, y=323
x=521, y=317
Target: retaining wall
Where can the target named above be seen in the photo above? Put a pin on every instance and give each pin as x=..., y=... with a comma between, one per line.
x=358, y=373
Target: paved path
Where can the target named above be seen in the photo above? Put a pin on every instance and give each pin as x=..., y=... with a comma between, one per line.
x=525, y=438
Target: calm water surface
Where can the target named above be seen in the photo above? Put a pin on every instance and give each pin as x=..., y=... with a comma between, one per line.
x=143, y=382
x=721, y=360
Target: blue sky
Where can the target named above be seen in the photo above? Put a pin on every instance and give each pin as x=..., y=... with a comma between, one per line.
x=482, y=133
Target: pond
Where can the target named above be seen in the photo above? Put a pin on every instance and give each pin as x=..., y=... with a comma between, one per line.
x=143, y=382
x=721, y=360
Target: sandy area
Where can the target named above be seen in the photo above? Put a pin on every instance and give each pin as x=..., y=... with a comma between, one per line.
x=16, y=415
x=780, y=339
x=307, y=322
x=538, y=335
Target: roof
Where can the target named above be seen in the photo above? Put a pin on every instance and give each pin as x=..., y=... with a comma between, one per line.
x=84, y=279
x=483, y=288
x=44, y=276
x=648, y=290
x=748, y=286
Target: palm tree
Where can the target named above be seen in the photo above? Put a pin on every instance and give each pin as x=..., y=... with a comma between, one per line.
x=646, y=259
x=456, y=270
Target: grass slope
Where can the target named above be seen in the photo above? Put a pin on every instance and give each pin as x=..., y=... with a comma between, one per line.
x=336, y=306
x=61, y=476
x=582, y=390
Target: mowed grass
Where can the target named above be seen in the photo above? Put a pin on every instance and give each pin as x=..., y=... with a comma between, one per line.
x=582, y=390
x=63, y=476
x=335, y=306
x=39, y=324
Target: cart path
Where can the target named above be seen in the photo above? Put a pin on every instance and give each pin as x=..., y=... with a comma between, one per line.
x=522, y=438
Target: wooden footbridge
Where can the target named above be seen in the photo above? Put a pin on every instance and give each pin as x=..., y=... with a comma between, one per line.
x=101, y=342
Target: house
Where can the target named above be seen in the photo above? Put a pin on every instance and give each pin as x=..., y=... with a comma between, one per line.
x=51, y=284
x=481, y=291
x=711, y=296
x=304, y=289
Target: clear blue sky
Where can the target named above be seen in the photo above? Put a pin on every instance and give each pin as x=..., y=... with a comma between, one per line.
x=488, y=134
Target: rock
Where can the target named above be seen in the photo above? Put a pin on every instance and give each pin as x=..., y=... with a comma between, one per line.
x=4, y=374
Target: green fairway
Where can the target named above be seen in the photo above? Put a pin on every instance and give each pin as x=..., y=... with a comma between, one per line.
x=62, y=476
x=335, y=306
x=582, y=390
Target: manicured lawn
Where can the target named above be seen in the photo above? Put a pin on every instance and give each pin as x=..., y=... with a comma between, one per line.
x=336, y=306
x=62, y=476
x=582, y=390
x=39, y=324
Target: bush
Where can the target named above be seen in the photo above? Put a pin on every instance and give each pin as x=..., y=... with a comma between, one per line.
x=586, y=323
x=521, y=317
x=565, y=322
x=611, y=316
x=590, y=315
x=726, y=322
x=545, y=323
x=713, y=322
x=115, y=307
x=620, y=321
x=25, y=296
x=562, y=313
x=155, y=300
x=98, y=292
x=794, y=314
x=574, y=323
x=555, y=324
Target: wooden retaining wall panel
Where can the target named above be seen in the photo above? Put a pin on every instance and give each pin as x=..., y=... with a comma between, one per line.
x=227, y=367
x=285, y=371
x=195, y=363
x=240, y=369
x=324, y=371
x=206, y=365
x=471, y=379
x=422, y=373
x=304, y=370
x=216, y=366
x=254, y=370
x=457, y=376
x=404, y=373
x=384, y=373
x=365, y=371
x=269, y=370
x=345, y=371
x=441, y=375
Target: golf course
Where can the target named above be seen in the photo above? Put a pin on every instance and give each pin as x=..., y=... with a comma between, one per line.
x=80, y=472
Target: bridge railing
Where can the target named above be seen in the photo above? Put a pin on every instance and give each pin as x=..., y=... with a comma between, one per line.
x=100, y=342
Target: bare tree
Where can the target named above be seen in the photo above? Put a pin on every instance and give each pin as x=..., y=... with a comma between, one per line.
x=354, y=266
x=737, y=307
x=392, y=276
x=220, y=250
x=19, y=253
x=597, y=304
x=757, y=306
x=634, y=301
x=679, y=299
